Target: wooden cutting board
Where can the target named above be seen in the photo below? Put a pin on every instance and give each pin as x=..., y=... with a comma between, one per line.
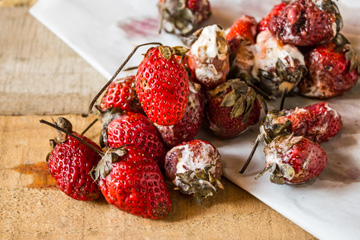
x=39, y=75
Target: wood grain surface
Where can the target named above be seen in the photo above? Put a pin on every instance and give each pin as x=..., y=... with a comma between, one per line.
x=39, y=74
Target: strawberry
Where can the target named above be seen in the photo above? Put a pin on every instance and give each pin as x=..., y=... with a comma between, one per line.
x=232, y=107
x=190, y=124
x=162, y=85
x=278, y=67
x=183, y=16
x=307, y=22
x=127, y=128
x=121, y=94
x=293, y=160
x=209, y=56
x=317, y=122
x=70, y=161
x=275, y=11
x=195, y=168
x=127, y=177
x=130, y=180
x=334, y=68
x=241, y=38
x=242, y=29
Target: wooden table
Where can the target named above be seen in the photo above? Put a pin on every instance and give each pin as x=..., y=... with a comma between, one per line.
x=40, y=75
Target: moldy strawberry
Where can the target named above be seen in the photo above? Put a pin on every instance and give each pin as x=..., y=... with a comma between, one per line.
x=334, y=68
x=209, y=56
x=232, y=107
x=293, y=160
x=183, y=16
x=307, y=22
x=195, y=168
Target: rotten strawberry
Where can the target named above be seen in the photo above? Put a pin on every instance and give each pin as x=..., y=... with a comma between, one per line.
x=293, y=160
x=209, y=56
x=334, y=68
x=232, y=108
x=183, y=16
x=318, y=122
x=278, y=67
x=242, y=29
x=275, y=11
x=307, y=22
x=241, y=38
x=195, y=168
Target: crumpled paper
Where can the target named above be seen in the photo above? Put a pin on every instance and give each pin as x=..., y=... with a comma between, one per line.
x=105, y=32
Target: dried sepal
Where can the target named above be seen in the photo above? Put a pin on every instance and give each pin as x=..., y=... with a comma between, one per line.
x=166, y=52
x=351, y=55
x=241, y=97
x=180, y=50
x=104, y=167
x=282, y=80
x=279, y=170
x=199, y=183
x=180, y=18
x=331, y=7
x=229, y=99
x=269, y=130
x=239, y=107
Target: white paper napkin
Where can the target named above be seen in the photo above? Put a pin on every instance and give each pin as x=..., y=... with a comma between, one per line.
x=105, y=32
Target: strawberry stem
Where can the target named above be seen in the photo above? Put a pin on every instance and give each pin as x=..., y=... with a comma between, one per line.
x=162, y=17
x=283, y=100
x=250, y=156
x=131, y=68
x=118, y=71
x=72, y=135
x=91, y=124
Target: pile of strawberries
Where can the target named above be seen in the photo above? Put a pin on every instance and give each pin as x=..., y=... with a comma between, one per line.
x=149, y=121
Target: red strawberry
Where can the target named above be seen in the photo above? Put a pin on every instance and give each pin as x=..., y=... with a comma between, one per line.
x=318, y=122
x=70, y=162
x=183, y=16
x=277, y=9
x=334, y=68
x=194, y=168
x=209, y=56
x=127, y=128
x=307, y=22
x=243, y=29
x=127, y=177
x=190, y=124
x=162, y=86
x=232, y=107
x=130, y=180
x=121, y=94
x=293, y=160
